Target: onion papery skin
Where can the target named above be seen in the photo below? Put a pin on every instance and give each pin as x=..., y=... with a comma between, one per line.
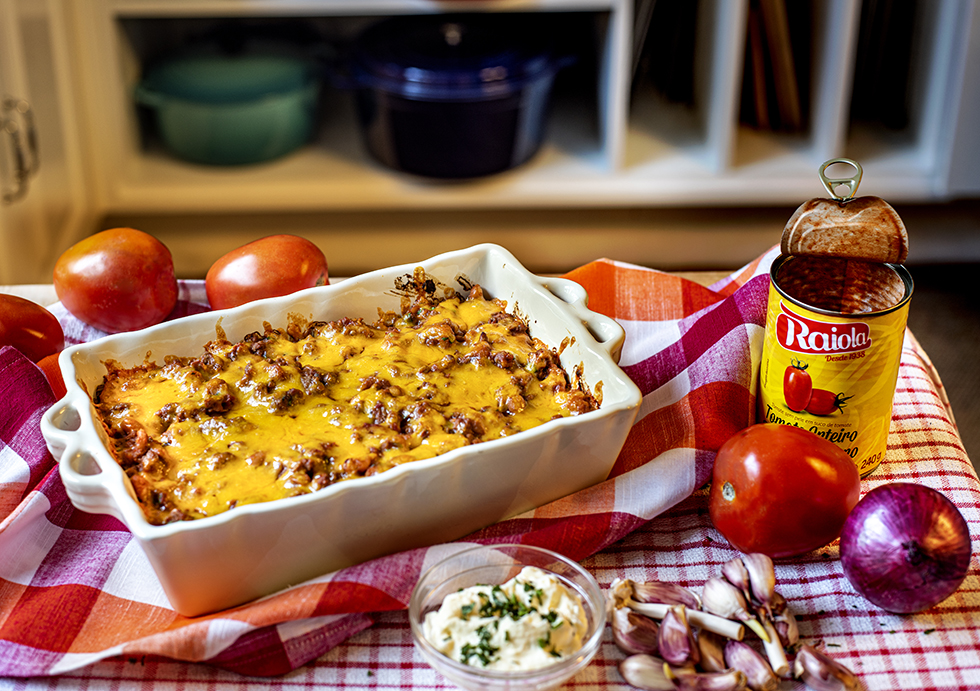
x=905, y=547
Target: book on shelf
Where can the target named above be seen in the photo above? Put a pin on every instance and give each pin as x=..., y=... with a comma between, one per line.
x=882, y=70
x=776, y=73
x=666, y=42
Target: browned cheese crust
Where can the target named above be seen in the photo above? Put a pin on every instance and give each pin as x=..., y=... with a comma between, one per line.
x=290, y=411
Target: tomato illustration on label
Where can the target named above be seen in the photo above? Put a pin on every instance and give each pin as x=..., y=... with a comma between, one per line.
x=797, y=386
x=823, y=402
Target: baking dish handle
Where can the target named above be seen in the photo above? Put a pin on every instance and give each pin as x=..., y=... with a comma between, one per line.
x=80, y=473
x=605, y=330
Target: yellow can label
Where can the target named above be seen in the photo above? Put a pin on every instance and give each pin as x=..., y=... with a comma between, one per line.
x=833, y=374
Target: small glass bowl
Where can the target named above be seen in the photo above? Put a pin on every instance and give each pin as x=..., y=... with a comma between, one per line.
x=496, y=564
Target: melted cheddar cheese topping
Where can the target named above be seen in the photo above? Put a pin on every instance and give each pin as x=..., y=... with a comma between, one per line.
x=287, y=412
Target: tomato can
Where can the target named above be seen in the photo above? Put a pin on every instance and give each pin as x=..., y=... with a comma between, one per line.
x=833, y=373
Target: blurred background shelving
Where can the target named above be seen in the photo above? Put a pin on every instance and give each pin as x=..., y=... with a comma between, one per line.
x=676, y=113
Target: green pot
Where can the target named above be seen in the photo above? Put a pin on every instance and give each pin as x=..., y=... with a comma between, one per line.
x=222, y=110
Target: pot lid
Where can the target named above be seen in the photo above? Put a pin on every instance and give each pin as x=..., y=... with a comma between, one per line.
x=453, y=56
x=216, y=78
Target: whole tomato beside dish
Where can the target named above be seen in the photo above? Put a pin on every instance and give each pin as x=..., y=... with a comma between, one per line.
x=29, y=327
x=781, y=490
x=121, y=279
x=268, y=267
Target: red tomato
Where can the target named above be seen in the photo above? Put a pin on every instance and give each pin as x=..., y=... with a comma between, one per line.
x=29, y=328
x=797, y=386
x=269, y=267
x=781, y=490
x=823, y=402
x=52, y=371
x=117, y=280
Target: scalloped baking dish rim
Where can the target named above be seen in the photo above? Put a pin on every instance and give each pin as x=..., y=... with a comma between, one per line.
x=253, y=550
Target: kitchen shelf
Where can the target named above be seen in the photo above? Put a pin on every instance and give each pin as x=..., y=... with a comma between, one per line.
x=623, y=159
x=614, y=146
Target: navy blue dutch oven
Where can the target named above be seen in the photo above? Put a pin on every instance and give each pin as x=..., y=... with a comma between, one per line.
x=455, y=96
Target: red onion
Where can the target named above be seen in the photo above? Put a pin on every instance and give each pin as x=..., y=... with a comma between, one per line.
x=905, y=547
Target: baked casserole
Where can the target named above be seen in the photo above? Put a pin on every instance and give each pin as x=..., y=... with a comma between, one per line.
x=289, y=411
x=257, y=549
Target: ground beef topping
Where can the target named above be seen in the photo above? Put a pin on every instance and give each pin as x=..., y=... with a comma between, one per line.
x=290, y=411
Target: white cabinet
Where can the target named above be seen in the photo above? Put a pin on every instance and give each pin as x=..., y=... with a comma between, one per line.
x=334, y=172
x=621, y=148
x=44, y=202
x=610, y=145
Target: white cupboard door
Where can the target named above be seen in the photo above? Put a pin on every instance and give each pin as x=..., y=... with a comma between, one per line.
x=43, y=205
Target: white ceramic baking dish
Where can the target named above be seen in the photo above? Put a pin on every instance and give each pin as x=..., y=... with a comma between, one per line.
x=225, y=560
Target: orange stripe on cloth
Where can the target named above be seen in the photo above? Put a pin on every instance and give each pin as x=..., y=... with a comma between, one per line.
x=150, y=630
x=578, y=536
x=638, y=294
x=666, y=428
x=130, y=620
x=737, y=280
x=10, y=593
x=11, y=498
x=700, y=420
x=186, y=638
x=295, y=603
x=346, y=596
x=49, y=618
x=190, y=645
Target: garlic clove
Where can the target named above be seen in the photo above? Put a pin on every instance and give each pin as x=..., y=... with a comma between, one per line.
x=650, y=673
x=786, y=628
x=758, y=674
x=634, y=633
x=620, y=593
x=820, y=673
x=646, y=672
x=735, y=573
x=777, y=604
x=667, y=593
x=688, y=679
x=762, y=577
x=676, y=640
x=711, y=647
x=721, y=598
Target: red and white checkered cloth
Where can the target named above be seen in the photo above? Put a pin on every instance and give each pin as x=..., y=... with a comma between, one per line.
x=80, y=606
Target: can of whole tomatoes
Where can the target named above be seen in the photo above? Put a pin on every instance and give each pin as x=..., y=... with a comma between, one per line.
x=835, y=325
x=831, y=372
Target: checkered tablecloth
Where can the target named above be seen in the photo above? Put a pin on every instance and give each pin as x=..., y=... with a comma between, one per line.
x=79, y=608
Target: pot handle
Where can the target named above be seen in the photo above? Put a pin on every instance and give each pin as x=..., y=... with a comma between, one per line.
x=606, y=331
x=147, y=97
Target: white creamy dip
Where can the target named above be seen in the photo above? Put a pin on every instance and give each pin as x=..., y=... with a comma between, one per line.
x=531, y=621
